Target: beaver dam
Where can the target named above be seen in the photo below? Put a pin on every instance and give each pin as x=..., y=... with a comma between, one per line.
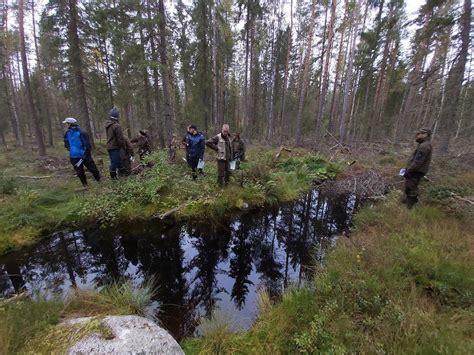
x=198, y=266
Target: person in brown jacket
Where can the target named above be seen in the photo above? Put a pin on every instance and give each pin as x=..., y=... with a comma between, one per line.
x=143, y=143
x=417, y=166
x=115, y=142
x=238, y=148
x=126, y=155
x=222, y=145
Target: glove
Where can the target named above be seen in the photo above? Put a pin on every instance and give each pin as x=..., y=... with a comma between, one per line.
x=87, y=153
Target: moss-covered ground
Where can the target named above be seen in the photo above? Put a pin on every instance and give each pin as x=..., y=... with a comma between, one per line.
x=32, y=207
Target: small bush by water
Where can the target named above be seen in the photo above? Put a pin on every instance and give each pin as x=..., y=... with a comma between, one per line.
x=403, y=283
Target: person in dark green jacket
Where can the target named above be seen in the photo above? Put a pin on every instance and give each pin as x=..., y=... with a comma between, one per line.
x=417, y=166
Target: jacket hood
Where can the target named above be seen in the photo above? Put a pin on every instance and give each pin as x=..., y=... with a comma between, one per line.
x=110, y=122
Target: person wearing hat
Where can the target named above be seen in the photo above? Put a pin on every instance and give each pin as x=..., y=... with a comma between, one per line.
x=115, y=142
x=195, y=144
x=417, y=166
x=143, y=143
x=78, y=144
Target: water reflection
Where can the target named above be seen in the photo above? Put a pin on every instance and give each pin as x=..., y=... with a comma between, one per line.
x=198, y=266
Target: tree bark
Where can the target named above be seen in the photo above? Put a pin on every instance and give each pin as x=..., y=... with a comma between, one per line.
x=75, y=58
x=26, y=79
x=305, y=70
x=325, y=76
x=454, y=81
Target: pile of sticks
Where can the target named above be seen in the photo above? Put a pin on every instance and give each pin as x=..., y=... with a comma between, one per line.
x=370, y=184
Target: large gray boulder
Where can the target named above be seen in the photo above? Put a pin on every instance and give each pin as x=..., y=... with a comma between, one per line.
x=131, y=335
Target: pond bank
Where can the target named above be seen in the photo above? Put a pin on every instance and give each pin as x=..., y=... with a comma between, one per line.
x=198, y=266
x=403, y=283
x=32, y=209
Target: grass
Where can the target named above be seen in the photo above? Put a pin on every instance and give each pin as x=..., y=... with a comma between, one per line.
x=31, y=208
x=31, y=325
x=403, y=283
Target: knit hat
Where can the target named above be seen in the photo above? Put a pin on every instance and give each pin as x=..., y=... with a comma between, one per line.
x=115, y=113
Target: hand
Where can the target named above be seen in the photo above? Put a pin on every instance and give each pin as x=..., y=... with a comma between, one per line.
x=88, y=153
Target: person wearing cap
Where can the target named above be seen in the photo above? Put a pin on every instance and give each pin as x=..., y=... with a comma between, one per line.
x=238, y=148
x=115, y=142
x=221, y=143
x=417, y=166
x=78, y=144
x=195, y=144
x=143, y=143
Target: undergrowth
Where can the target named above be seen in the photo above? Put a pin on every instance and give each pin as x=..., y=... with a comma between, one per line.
x=31, y=208
x=403, y=283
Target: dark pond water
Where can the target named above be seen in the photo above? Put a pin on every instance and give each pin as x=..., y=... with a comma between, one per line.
x=198, y=266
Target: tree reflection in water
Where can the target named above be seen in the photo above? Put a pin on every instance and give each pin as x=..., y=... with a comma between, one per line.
x=197, y=266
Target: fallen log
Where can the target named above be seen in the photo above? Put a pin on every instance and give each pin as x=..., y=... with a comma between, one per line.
x=461, y=198
x=33, y=177
x=170, y=212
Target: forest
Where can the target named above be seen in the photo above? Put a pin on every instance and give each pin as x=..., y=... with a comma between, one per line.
x=321, y=239
x=296, y=71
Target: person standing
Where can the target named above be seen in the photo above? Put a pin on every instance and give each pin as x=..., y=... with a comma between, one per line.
x=195, y=144
x=222, y=145
x=143, y=143
x=78, y=144
x=127, y=154
x=417, y=166
x=238, y=148
x=115, y=142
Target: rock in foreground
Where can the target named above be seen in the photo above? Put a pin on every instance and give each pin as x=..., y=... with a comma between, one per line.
x=129, y=334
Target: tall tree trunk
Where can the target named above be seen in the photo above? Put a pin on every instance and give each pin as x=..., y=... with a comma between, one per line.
x=9, y=89
x=75, y=58
x=305, y=73
x=26, y=79
x=42, y=82
x=168, y=95
x=454, y=81
x=349, y=84
x=287, y=65
x=325, y=76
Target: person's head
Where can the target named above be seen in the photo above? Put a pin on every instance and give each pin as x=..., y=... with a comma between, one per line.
x=192, y=129
x=423, y=134
x=237, y=137
x=225, y=129
x=114, y=113
x=71, y=122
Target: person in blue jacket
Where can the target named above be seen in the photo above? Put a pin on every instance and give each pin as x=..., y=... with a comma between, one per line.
x=78, y=144
x=195, y=143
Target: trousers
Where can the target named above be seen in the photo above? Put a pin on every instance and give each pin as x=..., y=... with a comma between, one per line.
x=411, y=189
x=87, y=162
x=223, y=172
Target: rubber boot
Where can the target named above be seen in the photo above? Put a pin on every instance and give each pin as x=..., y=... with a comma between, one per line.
x=113, y=175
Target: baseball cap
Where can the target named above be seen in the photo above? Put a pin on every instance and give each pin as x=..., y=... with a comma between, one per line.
x=70, y=120
x=424, y=130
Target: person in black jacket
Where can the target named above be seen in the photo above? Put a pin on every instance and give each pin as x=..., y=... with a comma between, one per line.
x=417, y=166
x=78, y=144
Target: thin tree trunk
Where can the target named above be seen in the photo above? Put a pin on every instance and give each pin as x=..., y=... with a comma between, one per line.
x=325, y=76
x=454, y=81
x=42, y=82
x=306, y=66
x=9, y=89
x=26, y=79
x=166, y=75
x=75, y=59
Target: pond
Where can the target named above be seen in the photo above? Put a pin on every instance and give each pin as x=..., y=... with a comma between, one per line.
x=198, y=266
